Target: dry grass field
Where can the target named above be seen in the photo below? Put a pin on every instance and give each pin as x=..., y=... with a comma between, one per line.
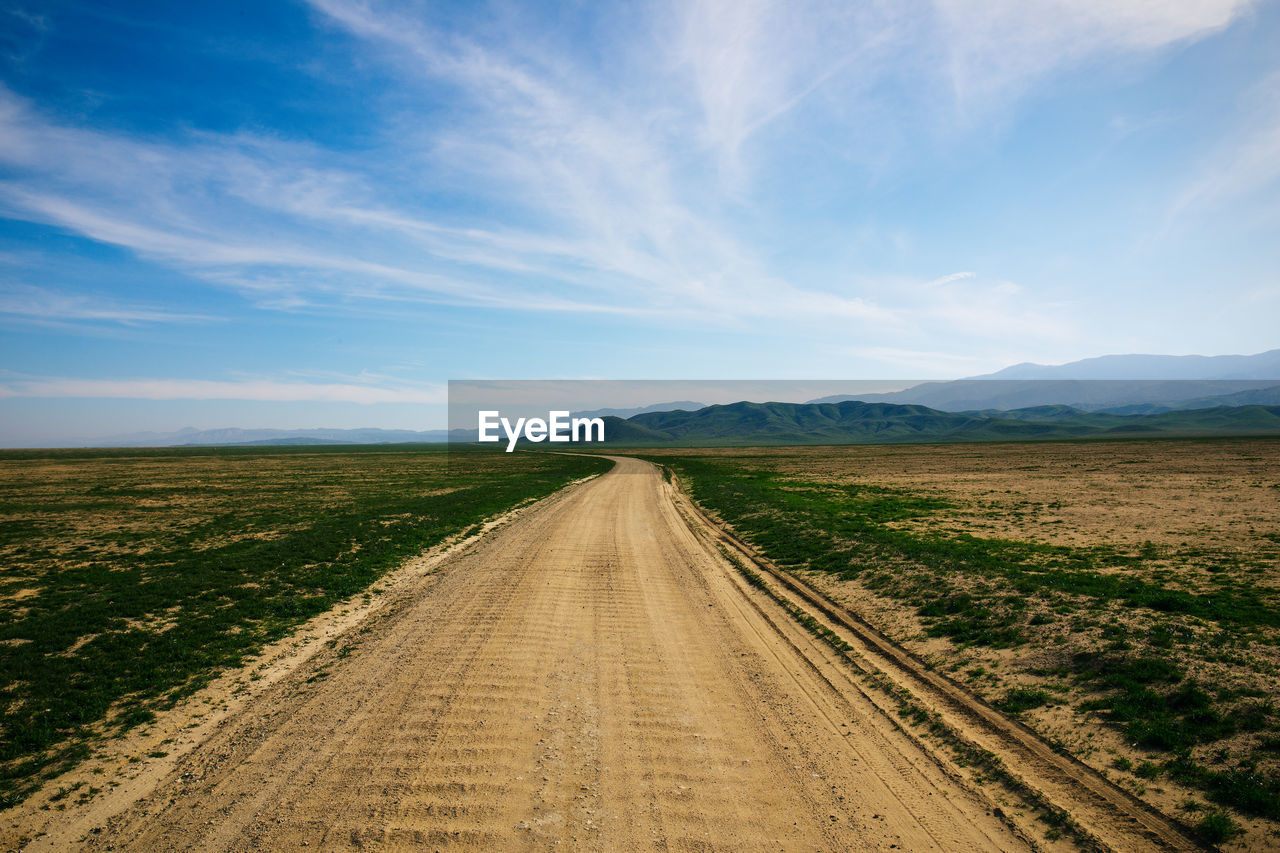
x=1121, y=598
x=130, y=578
x=590, y=675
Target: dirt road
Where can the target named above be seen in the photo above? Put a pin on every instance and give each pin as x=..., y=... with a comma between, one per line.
x=592, y=676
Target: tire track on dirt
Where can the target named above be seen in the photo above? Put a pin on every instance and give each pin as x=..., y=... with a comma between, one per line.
x=1112, y=817
x=593, y=675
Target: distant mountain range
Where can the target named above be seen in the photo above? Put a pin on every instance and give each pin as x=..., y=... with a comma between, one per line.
x=233, y=436
x=1264, y=366
x=686, y=405
x=1269, y=396
x=1109, y=395
x=1094, y=395
x=850, y=421
x=1113, y=383
x=845, y=422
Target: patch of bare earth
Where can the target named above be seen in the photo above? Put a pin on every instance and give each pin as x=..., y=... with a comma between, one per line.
x=122, y=769
x=591, y=676
x=1189, y=515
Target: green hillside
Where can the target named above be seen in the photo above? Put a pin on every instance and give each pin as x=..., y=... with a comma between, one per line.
x=854, y=421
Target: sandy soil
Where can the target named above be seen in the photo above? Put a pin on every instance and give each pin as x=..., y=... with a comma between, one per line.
x=1222, y=494
x=1199, y=512
x=130, y=766
x=592, y=675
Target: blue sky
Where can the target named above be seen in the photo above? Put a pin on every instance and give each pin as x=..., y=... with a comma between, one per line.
x=315, y=213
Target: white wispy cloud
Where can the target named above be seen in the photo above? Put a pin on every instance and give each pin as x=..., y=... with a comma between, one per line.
x=610, y=171
x=1248, y=162
x=204, y=389
x=622, y=246
x=997, y=49
x=928, y=364
x=990, y=310
x=626, y=193
x=751, y=63
x=44, y=305
x=989, y=323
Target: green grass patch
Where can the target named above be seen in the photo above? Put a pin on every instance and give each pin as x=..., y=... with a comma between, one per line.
x=133, y=577
x=1000, y=593
x=1021, y=699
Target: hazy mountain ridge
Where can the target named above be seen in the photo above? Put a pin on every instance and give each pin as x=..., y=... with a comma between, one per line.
x=854, y=421
x=1132, y=383
x=1094, y=395
x=1268, y=396
x=1081, y=397
x=1263, y=366
x=686, y=405
x=230, y=436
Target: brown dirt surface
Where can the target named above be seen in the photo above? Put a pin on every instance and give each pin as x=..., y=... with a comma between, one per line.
x=1194, y=516
x=1223, y=493
x=591, y=676
x=131, y=578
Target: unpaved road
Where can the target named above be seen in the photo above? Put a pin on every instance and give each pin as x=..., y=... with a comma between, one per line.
x=592, y=676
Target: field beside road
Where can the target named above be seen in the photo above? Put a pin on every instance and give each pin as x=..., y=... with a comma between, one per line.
x=130, y=578
x=610, y=668
x=592, y=675
x=1121, y=598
